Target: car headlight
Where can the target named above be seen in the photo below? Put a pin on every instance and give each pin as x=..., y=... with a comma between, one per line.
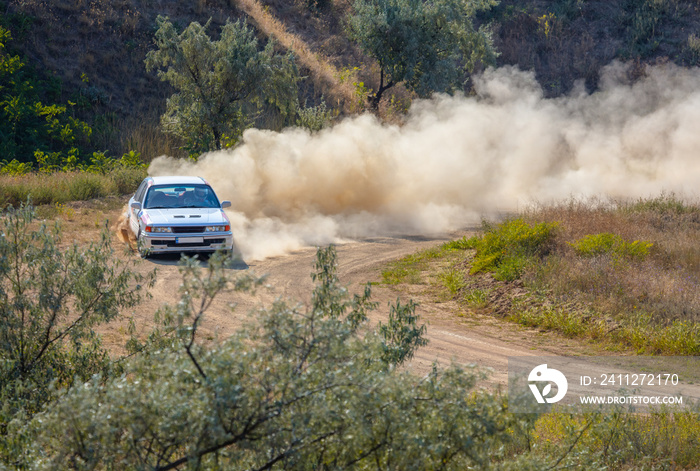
x=217, y=228
x=158, y=229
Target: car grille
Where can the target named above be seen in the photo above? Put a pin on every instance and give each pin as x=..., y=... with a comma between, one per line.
x=171, y=243
x=188, y=229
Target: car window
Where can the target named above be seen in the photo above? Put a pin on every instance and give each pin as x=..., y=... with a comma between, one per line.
x=181, y=196
x=140, y=192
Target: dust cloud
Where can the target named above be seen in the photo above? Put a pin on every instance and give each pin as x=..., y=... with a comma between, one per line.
x=456, y=159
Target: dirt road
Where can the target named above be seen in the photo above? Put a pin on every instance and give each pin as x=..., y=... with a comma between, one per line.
x=466, y=338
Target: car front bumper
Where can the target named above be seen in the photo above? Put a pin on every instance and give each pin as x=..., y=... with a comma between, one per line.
x=170, y=243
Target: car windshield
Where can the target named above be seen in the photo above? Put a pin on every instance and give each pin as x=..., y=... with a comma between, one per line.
x=181, y=196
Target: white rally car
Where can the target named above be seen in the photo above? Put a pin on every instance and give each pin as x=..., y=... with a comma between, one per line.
x=178, y=214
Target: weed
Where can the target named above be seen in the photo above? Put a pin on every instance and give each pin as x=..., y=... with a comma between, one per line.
x=408, y=269
x=453, y=280
x=477, y=298
x=692, y=50
x=65, y=211
x=347, y=73
x=462, y=244
x=400, y=274
x=512, y=267
x=547, y=24
x=511, y=239
x=644, y=20
x=554, y=318
x=363, y=92
x=85, y=186
x=315, y=118
x=666, y=203
x=608, y=243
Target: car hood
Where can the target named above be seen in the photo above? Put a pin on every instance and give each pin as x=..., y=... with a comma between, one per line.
x=185, y=216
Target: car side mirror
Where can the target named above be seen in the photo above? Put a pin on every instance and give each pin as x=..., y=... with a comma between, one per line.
x=225, y=204
x=136, y=205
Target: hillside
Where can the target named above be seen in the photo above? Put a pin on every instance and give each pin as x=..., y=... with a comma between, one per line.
x=96, y=48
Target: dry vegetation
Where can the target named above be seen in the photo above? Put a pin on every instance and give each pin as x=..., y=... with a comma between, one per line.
x=648, y=302
x=638, y=293
x=58, y=188
x=662, y=286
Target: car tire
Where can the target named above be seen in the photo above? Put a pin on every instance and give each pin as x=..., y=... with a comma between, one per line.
x=143, y=253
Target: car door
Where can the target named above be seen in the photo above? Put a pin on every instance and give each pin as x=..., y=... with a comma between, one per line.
x=134, y=213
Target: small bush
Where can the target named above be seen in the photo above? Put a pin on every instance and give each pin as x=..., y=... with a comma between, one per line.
x=315, y=118
x=86, y=186
x=477, y=298
x=126, y=179
x=611, y=244
x=514, y=239
x=512, y=268
x=453, y=280
x=462, y=244
x=666, y=203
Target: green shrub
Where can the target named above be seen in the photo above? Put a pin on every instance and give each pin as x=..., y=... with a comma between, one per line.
x=607, y=243
x=598, y=244
x=52, y=297
x=314, y=118
x=511, y=268
x=125, y=180
x=512, y=242
x=477, y=298
x=14, y=167
x=86, y=186
x=453, y=280
x=462, y=244
x=666, y=203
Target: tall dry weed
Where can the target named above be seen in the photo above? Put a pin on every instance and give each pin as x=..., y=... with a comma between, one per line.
x=663, y=287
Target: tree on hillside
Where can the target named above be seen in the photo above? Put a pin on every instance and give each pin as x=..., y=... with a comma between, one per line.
x=220, y=85
x=52, y=297
x=29, y=127
x=425, y=45
x=298, y=388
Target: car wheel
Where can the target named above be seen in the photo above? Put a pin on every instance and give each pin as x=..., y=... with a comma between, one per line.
x=143, y=252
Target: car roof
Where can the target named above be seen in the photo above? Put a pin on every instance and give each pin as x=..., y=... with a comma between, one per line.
x=177, y=180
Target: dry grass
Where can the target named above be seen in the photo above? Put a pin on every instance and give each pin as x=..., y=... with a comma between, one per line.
x=662, y=287
x=62, y=187
x=322, y=71
x=649, y=303
x=148, y=139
